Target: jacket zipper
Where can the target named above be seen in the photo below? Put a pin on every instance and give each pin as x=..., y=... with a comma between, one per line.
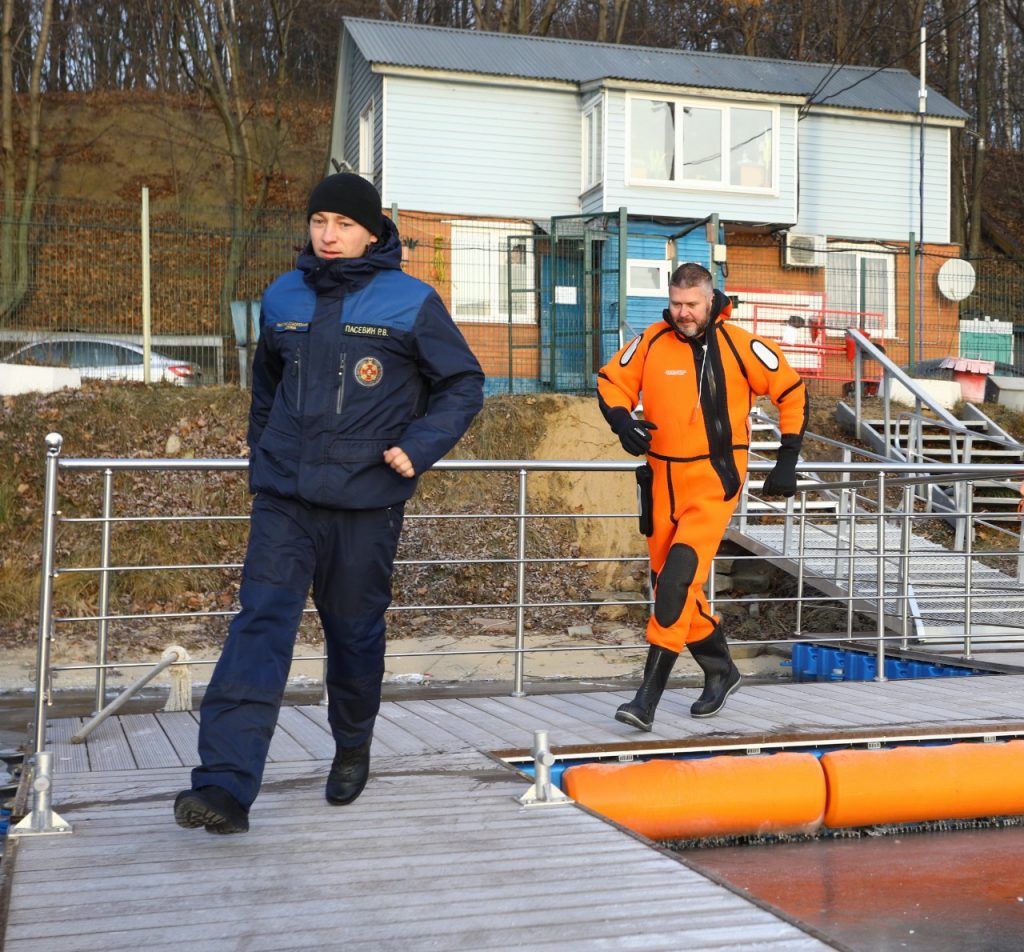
x=716, y=421
x=297, y=374
x=721, y=452
x=341, y=383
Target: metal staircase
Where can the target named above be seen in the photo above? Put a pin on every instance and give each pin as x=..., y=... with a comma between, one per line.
x=916, y=437
x=764, y=441
x=882, y=563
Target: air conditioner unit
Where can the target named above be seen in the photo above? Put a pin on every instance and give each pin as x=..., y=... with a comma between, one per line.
x=803, y=251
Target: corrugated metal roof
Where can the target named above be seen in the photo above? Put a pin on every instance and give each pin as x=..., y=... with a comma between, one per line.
x=577, y=61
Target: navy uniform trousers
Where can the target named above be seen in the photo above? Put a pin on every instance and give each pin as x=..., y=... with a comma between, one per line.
x=347, y=556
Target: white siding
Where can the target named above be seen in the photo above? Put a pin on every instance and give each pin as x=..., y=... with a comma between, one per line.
x=680, y=202
x=859, y=179
x=358, y=86
x=481, y=150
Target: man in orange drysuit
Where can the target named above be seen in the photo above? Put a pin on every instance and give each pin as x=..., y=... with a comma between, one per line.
x=698, y=377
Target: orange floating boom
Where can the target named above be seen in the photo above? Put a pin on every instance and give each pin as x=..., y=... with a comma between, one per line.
x=913, y=784
x=716, y=796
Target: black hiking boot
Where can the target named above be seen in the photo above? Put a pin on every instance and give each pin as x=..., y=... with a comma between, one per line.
x=640, y=711
x=211, y=807
x=721, y=677
x=349, y=772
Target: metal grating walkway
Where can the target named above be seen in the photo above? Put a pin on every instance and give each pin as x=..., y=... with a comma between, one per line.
x=936, y=575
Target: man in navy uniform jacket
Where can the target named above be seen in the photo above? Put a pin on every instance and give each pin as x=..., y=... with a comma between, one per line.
x=361, y=382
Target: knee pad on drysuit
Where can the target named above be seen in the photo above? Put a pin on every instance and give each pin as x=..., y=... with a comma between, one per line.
x=673, y=584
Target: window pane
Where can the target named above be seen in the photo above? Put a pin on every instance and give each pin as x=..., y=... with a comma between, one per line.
x=481, y=260
x=652, y=140
x=876, y=295
x=750, y=151
x=842, y=290
x=702, y=144
x=644, y=278
x=474, y=273
x=366, y=142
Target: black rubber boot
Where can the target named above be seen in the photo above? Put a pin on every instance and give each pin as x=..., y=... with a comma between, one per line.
x=640, y=711
x=721, y=677
x=349, y=772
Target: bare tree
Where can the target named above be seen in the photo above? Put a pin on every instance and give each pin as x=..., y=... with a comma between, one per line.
x=982, y=86
x=951, y=38
x=213, y=58
x=14, y=227
x=515, y=16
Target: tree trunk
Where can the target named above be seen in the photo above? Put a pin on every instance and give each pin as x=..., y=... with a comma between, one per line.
x=952, y=35
x=15, y=263
x=982, y=84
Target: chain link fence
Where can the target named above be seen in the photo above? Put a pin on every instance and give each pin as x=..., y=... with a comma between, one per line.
x=542, y=304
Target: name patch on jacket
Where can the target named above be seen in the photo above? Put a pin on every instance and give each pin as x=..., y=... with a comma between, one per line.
x=366, y=330
x=301, y=327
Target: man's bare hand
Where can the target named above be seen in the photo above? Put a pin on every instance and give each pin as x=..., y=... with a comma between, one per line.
x=396, y=458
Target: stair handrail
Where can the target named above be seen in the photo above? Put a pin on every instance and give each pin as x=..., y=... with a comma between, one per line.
x=890, y=372
x=970, y=437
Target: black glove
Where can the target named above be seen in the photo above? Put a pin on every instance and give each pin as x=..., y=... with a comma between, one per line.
x=781, y=481
x=633, y=434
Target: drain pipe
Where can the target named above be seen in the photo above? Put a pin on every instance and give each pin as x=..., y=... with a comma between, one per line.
x=543, y=792
x=42, y=819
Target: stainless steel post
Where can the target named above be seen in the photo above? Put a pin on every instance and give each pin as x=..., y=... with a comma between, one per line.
x=517, y=686
x=54, y=441
x=104, y=592
x=800, y=559
x=968, y=568
x=42, y=819
x=880, y=575
x=543, y=792
x=904, y=567
x=851, y=567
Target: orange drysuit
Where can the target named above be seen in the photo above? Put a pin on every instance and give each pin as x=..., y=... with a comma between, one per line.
x=699, y=393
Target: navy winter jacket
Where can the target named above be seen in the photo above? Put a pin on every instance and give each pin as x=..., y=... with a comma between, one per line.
x=355, y=356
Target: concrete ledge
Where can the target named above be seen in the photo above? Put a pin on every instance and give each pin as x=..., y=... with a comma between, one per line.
x=17, y=378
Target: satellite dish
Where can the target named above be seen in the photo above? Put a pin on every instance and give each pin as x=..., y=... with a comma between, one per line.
x=956, y=279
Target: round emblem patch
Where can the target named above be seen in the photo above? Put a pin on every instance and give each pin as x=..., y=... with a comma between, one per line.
x=369, y=372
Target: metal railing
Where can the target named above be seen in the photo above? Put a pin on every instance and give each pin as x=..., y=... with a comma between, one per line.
x=860, y=556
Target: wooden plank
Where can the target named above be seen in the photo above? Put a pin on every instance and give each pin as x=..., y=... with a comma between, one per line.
x=406, y=732
x=490, y=732
x=444, y=714
x=283, y=746
x=584, y=726
x=307, y=723
x=108, y=747
x=434, y=727
x=67, y=757
x=385, y=740
x=182, y=730
x=444, y=860
x=150, y=746
x=530, y=714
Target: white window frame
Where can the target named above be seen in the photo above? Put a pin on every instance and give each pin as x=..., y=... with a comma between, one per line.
x=663, y=269
x=592, y=144
x=367, y=138
x=724, y=182
x=835, y=325
x=479, y=251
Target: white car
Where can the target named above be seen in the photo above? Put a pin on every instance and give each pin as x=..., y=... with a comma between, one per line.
x=96, y=358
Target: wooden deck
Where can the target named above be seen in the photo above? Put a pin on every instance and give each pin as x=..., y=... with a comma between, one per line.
x=437, y=853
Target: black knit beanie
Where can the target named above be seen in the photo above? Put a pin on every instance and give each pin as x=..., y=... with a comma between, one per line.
x=350, y=195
